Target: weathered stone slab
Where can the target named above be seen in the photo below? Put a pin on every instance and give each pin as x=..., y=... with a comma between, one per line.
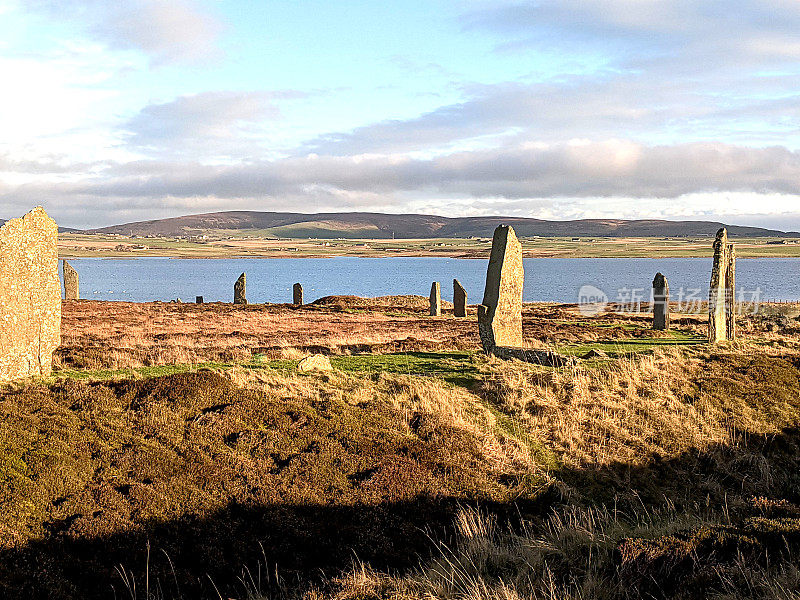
x=545, y=358
x=71, y=285
x=722, y=292
x=459, y=299
x=198, y=299
x=297, y=294
x=500, y=314
x=315, y=362
x=660, y=303
x=240, y=290
x=30, y=295
x=436, y=300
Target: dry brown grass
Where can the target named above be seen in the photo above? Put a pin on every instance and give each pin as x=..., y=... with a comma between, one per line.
x=583, y=458
x=627, y=412
x=119, y=335
x=698, y=434
x=207, y=467
x=416, y=400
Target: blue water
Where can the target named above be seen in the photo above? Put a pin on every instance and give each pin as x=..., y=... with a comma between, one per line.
x=546, y=279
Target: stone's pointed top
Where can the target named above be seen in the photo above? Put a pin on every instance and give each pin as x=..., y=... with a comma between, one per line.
x=721, y=240
x=505, y=230
x=659, y=279
x=242, y=276
x=37, y=214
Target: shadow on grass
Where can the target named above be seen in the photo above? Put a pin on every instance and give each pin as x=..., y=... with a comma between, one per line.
x=202, y=554
x=243, y=546
x=228, y=551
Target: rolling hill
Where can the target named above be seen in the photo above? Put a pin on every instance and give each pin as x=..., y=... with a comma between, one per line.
x=378, y=225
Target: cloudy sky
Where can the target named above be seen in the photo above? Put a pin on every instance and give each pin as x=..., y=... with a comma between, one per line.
x=118, y=111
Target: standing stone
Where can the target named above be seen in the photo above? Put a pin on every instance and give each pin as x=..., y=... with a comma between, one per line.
x=500, y=314
x=240, y=290
x=297, y=294
x=436, y=299
x=71, y=288
x=660, y=303
x=459, y=299
x=30, y=295
x=722, y=294
x=730, y=293
x=198, y=299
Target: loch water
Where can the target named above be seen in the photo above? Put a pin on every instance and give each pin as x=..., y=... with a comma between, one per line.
x=546, y=279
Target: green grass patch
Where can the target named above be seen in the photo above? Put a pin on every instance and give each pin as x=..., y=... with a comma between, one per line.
x=605, y=325
x=458, y=368
x=148, y=372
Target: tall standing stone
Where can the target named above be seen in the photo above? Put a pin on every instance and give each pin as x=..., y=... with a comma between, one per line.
x=71, y=288
x=722, y=294
x=297, y=294
x=436, y=299
x=30, y=295
x=459, y=299
x=730, y=293
x=500, y=314
x=660, y=303
x=240, y=290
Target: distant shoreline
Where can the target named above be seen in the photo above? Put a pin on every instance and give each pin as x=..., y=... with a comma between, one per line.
x=72, y=245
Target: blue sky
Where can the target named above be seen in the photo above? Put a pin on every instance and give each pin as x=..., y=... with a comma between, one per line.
x=113, y=112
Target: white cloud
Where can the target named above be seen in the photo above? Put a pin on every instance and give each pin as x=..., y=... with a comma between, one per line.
x=612, y=178
x=167, y=31
x=209, y=124
x=58, y=103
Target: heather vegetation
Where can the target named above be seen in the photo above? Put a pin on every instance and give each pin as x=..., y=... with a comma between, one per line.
x=177, y=453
